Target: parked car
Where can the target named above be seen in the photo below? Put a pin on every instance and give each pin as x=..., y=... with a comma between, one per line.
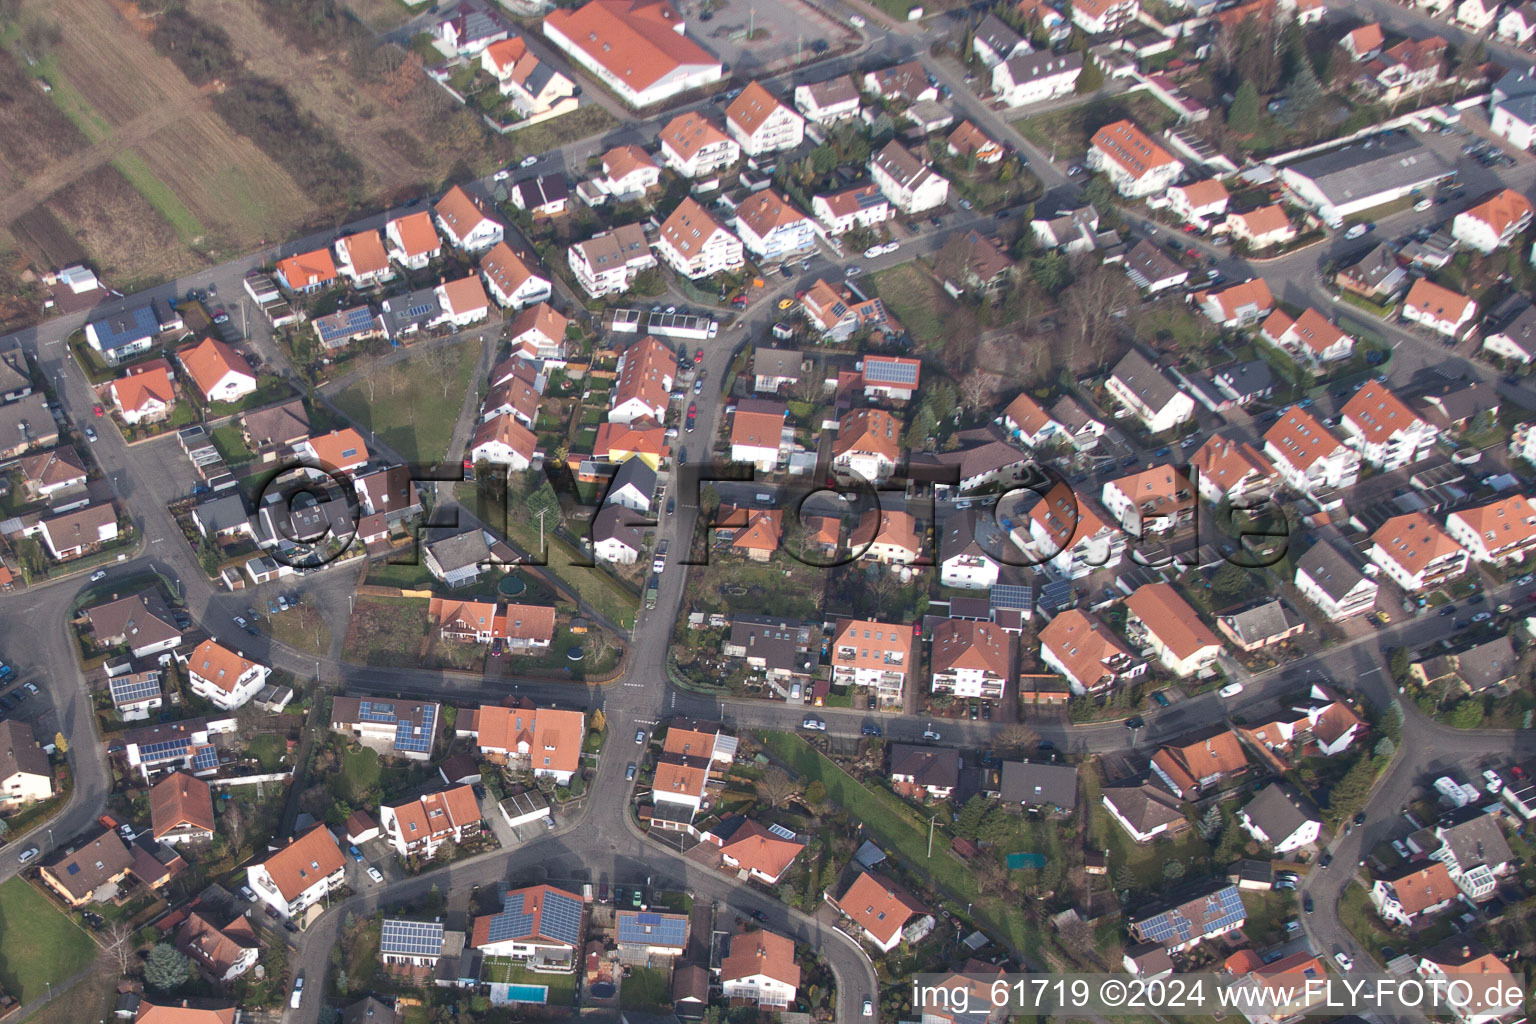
x=98, y=575
x=814, y=724
x=931, y=734
x=853, y=271
x=1343, y=960
x=1161, y=699
x=1357, y=231
x=90, y=434
x=1230, y=690
x=869, y=1008
x=873, y=251
x=629, y=772
x=375, y=874
x=298, y=993
x=501, y=175
x=98, y=410
x=357, y=854
x=871, y=730
x=1306, y=902
x=528, y=161
x=27, y=854
x=1135, y=722
x=639, y=735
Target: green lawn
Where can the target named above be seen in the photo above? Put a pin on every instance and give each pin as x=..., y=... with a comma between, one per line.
x=159, y=195
x=1065, y=132
x=417, y=418
x=922, y=306
x=894, y=824
x=1144, y=862
x=644, y=988
x=38, y=944
x=268, y=750
x=504, y=970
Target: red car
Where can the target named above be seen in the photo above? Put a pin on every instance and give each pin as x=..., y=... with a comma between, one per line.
x=96, y=409
x=698, y=357
x=693, y=409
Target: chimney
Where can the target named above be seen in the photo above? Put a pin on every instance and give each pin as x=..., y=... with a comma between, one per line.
x=1466, y=952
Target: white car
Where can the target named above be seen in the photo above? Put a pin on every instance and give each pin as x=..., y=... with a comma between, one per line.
x=930, y=733
x=890, y=247
x=869, y=1008
x=1355, y=232
x=1423, y=204
x=27, y=855
x=240, y=621
x=873, y=251
x=1343, y=960
x=1494, y=780
x=528, y=161
x=1230, y=690
x=375, y=874
x=1482, y=617
x=98, y=575
x=298, y=993
x=814, y=724
x=1525, y=581
x=856, y=21
x=501, y=175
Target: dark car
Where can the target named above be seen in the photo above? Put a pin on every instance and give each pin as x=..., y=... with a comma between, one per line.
x=1360, y=818
x=759, y=916
x=1476, y=599
x=1306, y=902
x=1135, y=722
x=1324, y=859
x=872, y=730
x=1447, y=610
x=1161, y=699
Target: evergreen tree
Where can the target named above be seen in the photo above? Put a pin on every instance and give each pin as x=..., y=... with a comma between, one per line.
x=1302, y=93
x=1243, y=116
x=1392, y=718
x=1173, y=870
x=968, y=823
x=165, y=968
x=1091, y=78
x=1386, y=748
x=1210, y=825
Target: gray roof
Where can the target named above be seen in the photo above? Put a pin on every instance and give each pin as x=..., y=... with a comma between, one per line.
x=1250, y=379
x=369, y=1011
x=1279, y=810
x=637, y=473
x=1260, y=622
x=1071, y=413
x=222, y=513
x=1035, y=784
x=1145, y=379
x=1477, y=841
x=612, y=521
x=996, y=34
x=400, y=313
x=1520, y=329
x=461, y=550
x=1487, y=664
x=833, y=91
x=1145, y=806
x=928, y=766
x=776, y=642
x=1147, y=265
x=971, y=532
x=1334, y=573
x=142, y=619
x=776, y=362
x=14, y=374
x=1378, y=269
x=1516, y=93
x=546, y=188
x=19, y=751
x=1024, y=67
x=1379, y=164
x=26, y=421
x=278, y=424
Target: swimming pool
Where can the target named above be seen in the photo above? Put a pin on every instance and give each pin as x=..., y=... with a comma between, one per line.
x=528, y=994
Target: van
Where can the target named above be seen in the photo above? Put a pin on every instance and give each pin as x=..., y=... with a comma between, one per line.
x=298, y=993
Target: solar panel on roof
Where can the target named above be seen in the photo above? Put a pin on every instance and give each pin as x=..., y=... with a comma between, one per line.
x=782, y=832
x=411, y=938
x=653, y=929
x=415, y=311
x=1007, y=595
x=128, y=689
x=376, y=711
x=890, y=372
x=205, y=758
x=346, y=323
x=562, y=918
x=163, y=750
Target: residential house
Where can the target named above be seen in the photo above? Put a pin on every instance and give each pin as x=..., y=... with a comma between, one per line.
x=1102, y=17
x=389, y=493
x=544, y=195
x=95, y=865
x=1321, y=725
x=534, y=86
x=1307, y=455
x=540, y=925
x=894, y=378
x=1262, y=227
x=76, y=533
x=1201, y=203
x=469, y=27
x=144, y=395
x=456, y=560
x=513, y=282
x=545, y=741
x=607, y=264
x=1156, y=500
x=1489, y=666
x=1083, y=430
x=638, y=49
x=223, y=951
x=122, y=336
x=224, y=677
x=299, y=874
x=1311, y=339
x=1364, y=42
x=1194, y=763
x=397, y=728
x=774, y=368
x=1500, y=533
x=1215, y=911
x=219, y=373
x=276, y=425
x=1153, y=270
x=874, y=656
x=1070, y=232
x=25, y=776
x=181, y=809
x=1035, y=784
x=1072, y=534
x=1417, y=553
x=340, y=451
x=839, y=313
x=1231, y=470
x=466, y=222
x=1403, y=70
x=1384, y=430
x=307, y=271
x=881, y=911
x=1418, y=890
x=644, y=386
x=1238, y=305
x=504, y=441
x=1086, y=654
x=1263, y=625
x=909, y=83
x=339, y=329
x=1491, y=985
x=52, y=473
x=1512, y=107
x=1474, y=852
x=972, y=263
x=462, y=302
x=421, y=826
x=538, y=333
x=761, y=124
x=646, y=937
x=970, y=546
x=858, y=206
x=695, y=147
x=1035, y=77
x=361, y=259
x=1493, y=223
x=920, y=770
x=1437, y=308
x=836, y=99
x=970, y=660
x=1145, y=388
x=1135, y=165
x=1377, y=275
x=615, y=536
x=1281, y=819
x=1159, y=617
x=629, y=173
x=757, y=852
x=618, y=443
x=1145, y=811
x=695, y=245
x=757, y=429
x=1027, y=422
x=910, y=183
x=772, y=229
x=1517, y=25
x=412, y=241
x=140, y=622
x=1334, y=583
x=868, y=445
x=779, y=650
x=760, y=969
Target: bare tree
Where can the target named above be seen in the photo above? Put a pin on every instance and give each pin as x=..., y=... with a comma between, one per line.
x=118, y=941
x=1076, y=938
x=777, y=787
x=974, y=389
x=1016, y=739
x=438, y=361
x=1095, y=300
x=232, y=824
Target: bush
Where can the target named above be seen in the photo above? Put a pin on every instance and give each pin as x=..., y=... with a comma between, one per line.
x=202, y=51
x=262, y=111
